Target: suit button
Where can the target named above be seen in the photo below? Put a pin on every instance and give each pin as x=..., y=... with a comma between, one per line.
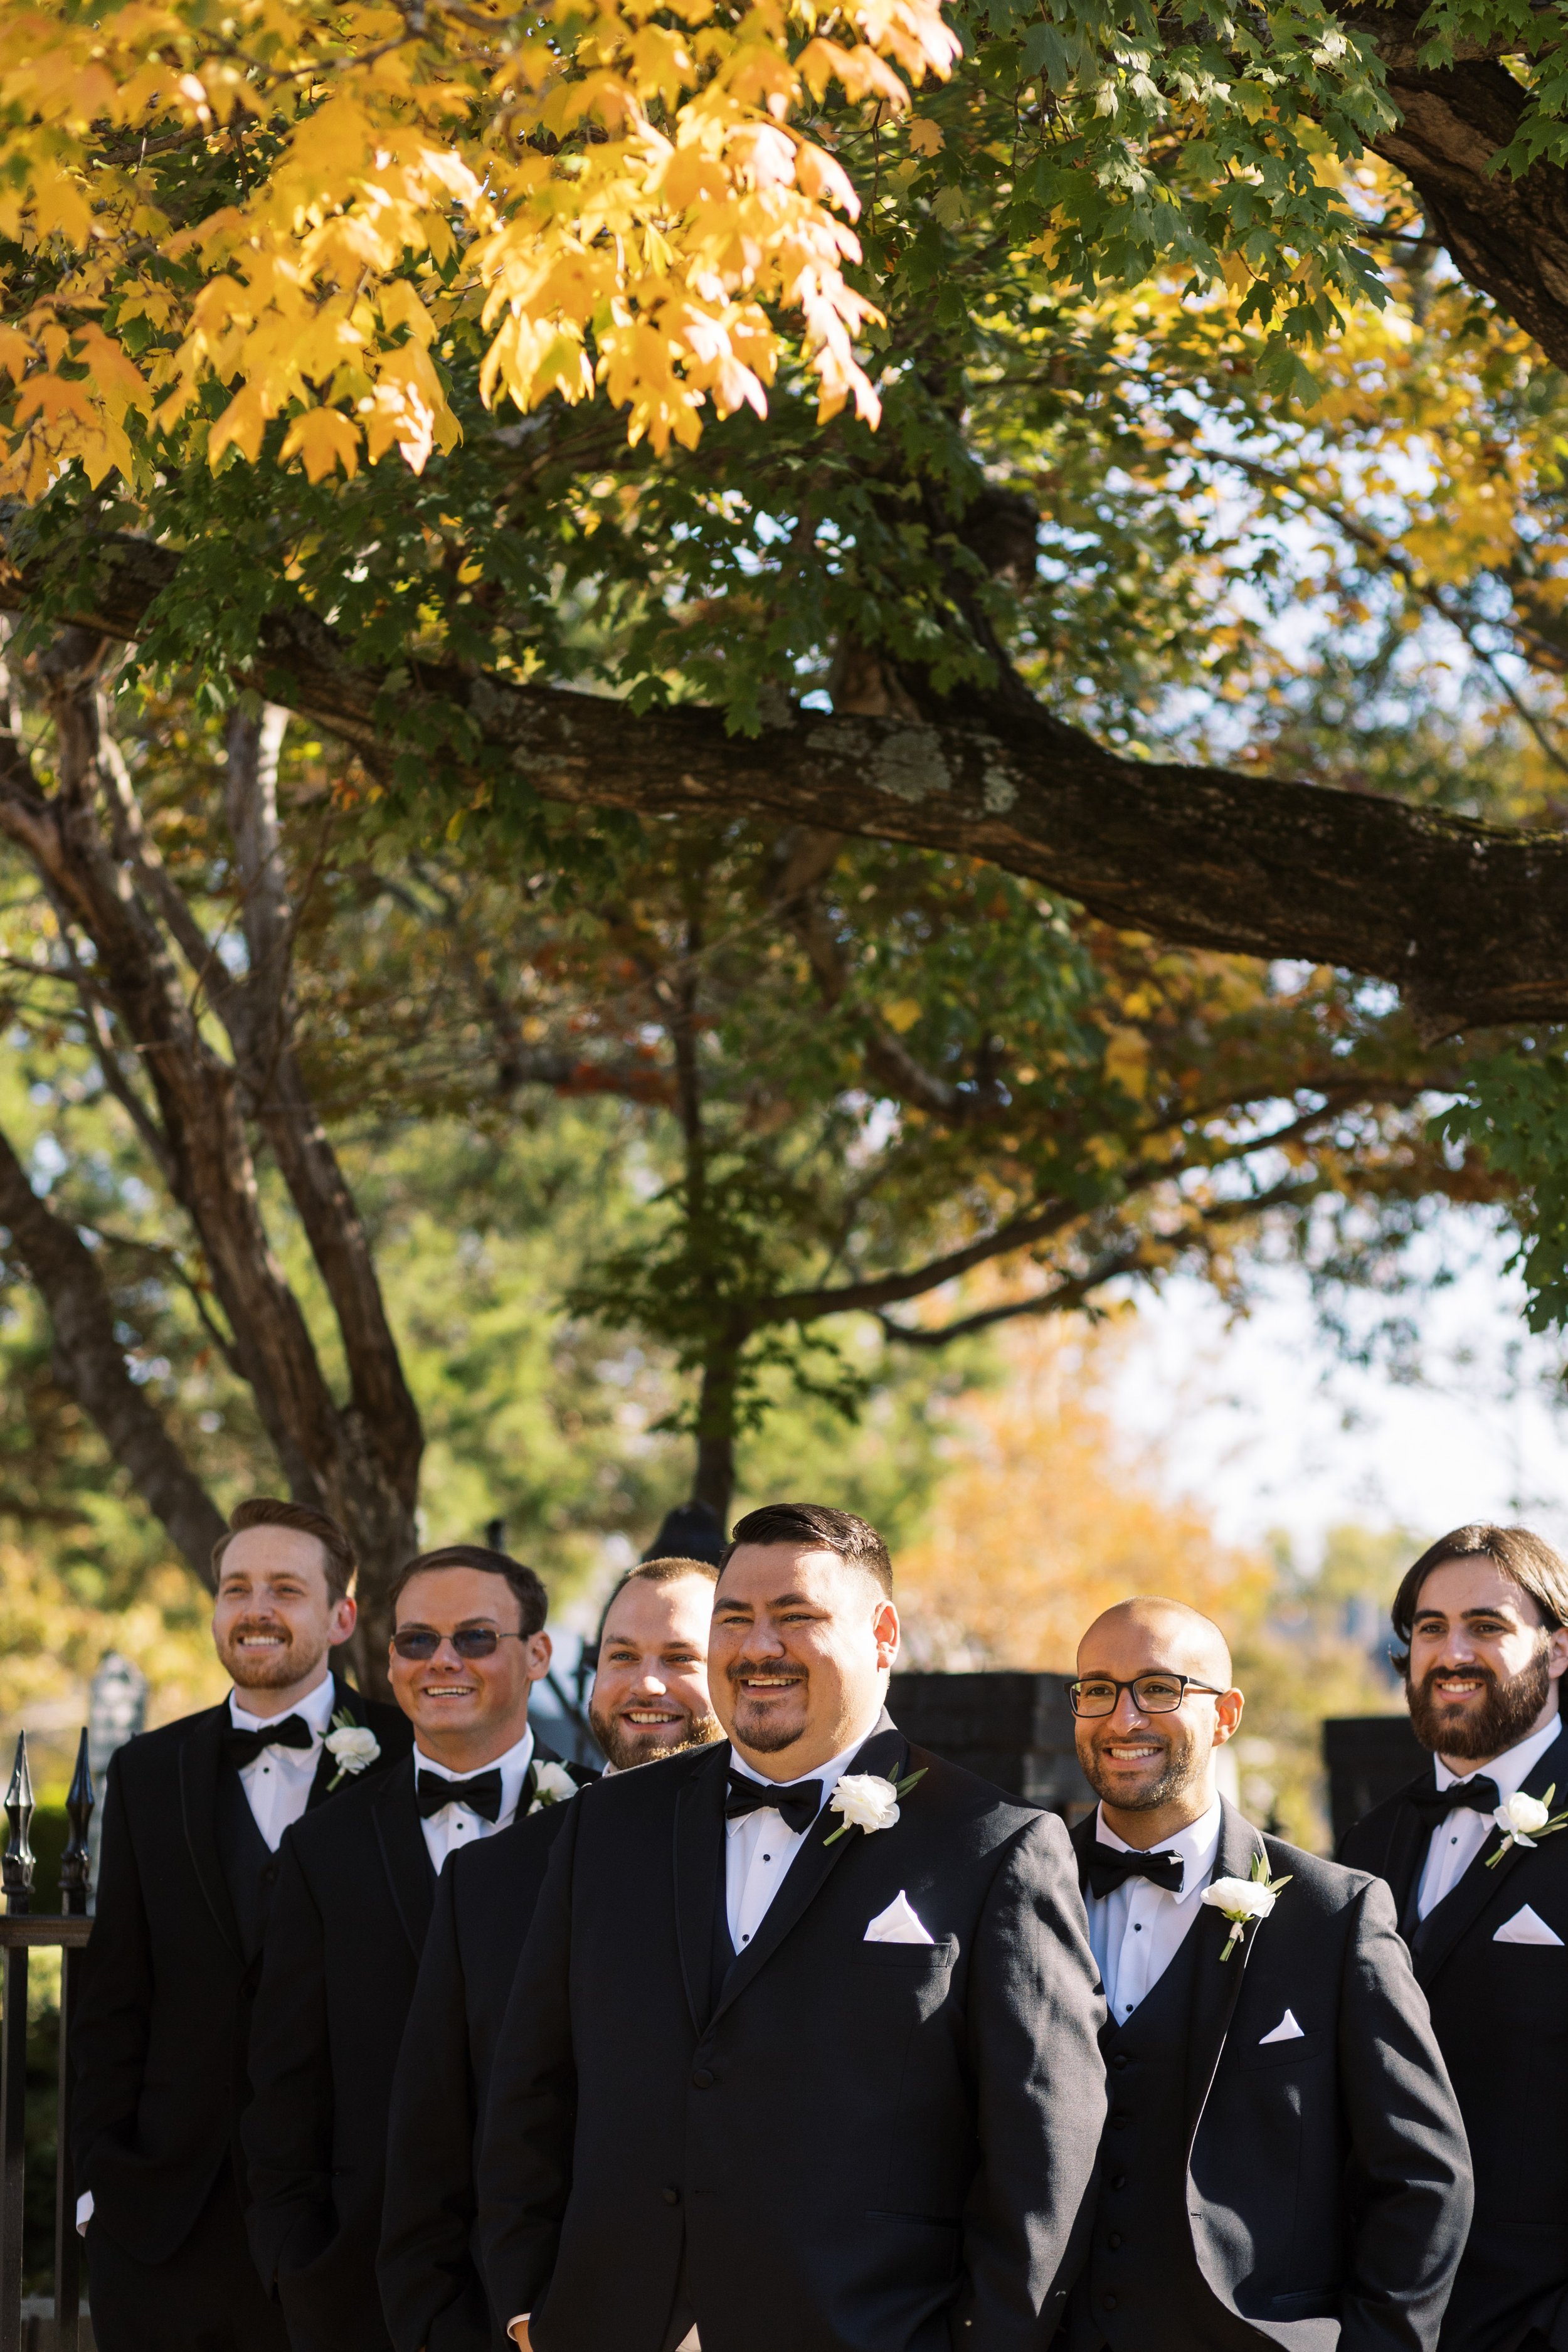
x=702, y=2079
x=1114, y=2240
x=1118, y=2122
x=1108, y=2302
x=1120, y=2060
x=1119, y=2180
x=672, y=2196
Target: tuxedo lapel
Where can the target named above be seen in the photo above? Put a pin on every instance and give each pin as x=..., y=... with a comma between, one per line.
x=887, y=1752
x=1442, y=1930
x=403, y=1853
x=346, y=1701
x=1405, y=1857
x=1218, y=1984
x=699, y=1875
x=201, y=1762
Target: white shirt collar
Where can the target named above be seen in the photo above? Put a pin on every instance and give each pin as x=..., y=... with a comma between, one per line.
x=513, y=1767
x=829, y=1774
x=1197, y=1844
x=315, y=1708
x=1509, y=1771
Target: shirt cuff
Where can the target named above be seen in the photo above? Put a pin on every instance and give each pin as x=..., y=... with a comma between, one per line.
x=83, y=2210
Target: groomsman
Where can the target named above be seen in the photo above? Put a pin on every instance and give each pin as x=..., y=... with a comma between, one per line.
x=354, y=1899
x=1483, y=1616
x=801, y=2051
x=192, y=1816
x=650, y=1701
x=1284, y=2162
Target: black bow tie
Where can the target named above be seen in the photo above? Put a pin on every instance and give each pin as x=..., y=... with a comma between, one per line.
x=1478, y=1796
x=480, y=1792
x=243, y=1747
x=1105, y=1868
x=798, y=1801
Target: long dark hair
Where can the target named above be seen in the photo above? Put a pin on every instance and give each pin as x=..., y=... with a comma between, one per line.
x=1524, y=1557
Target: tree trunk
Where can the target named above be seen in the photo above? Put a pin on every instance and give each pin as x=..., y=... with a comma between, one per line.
x=146, y=982
x=714, y=1479
x=1465, y=918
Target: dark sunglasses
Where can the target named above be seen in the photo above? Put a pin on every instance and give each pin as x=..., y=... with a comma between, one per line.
x=417, y=1643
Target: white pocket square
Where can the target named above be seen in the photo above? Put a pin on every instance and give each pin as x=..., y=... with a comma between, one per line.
x=900, y=1923
x=1526, y=1927
x=1286, y=2031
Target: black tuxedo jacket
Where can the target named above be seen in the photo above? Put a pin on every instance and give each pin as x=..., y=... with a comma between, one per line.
x=158, y=2042
x=431, y=2290
x=1328, y=2181
x=354, y=1899
x=1500, y=2013
x=848, y=2146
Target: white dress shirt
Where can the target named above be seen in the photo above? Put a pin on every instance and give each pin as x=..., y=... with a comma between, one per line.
x=1136, y=1930
x=277, y=1784
x=1461, y=1835
x=455, y=1825
x=761, y=1846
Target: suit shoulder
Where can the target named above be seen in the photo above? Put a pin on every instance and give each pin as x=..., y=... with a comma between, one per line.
x=347, y=1819
x=1327, y=1886
x=1367, y=1840
x=151, y=1752
x=390, y=1725
x=964, y=1797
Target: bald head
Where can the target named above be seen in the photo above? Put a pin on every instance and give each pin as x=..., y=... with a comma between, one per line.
x=1147, y=1745
x=1177, y=1637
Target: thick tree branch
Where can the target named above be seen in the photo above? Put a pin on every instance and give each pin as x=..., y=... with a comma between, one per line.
x=91, y=1362
x=1465, y=918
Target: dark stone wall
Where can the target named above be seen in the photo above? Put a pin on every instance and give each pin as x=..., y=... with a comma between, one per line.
x=1015, y=1730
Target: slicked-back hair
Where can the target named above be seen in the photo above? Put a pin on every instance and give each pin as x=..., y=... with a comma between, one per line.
x=532, y=1600
x=1524, y=1557
x=271, y=1511
x=815, y=1527
x=670, y=1570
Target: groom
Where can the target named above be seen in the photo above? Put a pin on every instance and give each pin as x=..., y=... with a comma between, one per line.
x=1284, y=2160
x=793, y=2063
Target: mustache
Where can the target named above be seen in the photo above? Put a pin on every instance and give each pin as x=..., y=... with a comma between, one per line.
x=754, y=1666
x=1430, y=1680
x=260, y=1625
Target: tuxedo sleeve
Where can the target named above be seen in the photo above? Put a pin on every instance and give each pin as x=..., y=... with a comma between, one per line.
x=287, y=2129
x=109, y=2030
x=525, y=2152
x=430, y=2289
x=1034, y=2013
x=1410, y=2183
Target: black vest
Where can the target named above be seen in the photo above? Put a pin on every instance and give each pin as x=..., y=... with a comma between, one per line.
x=250, y=1867
x=1141, y=2290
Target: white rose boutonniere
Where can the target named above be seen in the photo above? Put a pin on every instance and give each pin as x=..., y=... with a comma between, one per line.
x=867, y=1801
x=1525, y=1821
x=353, y=1747
x=553, y=1784
x=1244, y=1900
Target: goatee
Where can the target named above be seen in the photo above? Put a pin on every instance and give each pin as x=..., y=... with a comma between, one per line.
x=1507, y=1711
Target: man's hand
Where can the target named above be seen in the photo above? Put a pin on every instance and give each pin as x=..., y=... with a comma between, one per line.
x=517, y=2331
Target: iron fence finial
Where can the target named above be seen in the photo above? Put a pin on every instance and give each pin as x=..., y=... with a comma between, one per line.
x=16, y=1864
x=76, y=1862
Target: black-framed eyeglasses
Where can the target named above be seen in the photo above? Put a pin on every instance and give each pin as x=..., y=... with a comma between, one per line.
x=1151, y=1694
x=417, y=1643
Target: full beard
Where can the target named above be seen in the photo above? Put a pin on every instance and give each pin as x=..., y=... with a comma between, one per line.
x=270, y=1670
x=626, y=1749
x=1507, y=1711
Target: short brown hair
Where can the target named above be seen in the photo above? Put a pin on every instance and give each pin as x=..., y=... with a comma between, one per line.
x=271, y=1511
x=816, y=1527
x=670, y=1570
x=1524, y=1557
x=532, y=1600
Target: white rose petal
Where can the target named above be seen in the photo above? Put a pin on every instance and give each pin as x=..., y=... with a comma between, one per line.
x=1240, y=1898
x=1521, y=1814
x=353, y=1747
x=553, y=1784
x=866, y=1800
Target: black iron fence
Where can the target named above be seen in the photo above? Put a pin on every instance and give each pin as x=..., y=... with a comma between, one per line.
x=23, y=1932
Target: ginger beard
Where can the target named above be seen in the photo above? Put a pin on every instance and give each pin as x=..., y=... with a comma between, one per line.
x=1506, y=1713
x=264, y=1652
x=644, y=1730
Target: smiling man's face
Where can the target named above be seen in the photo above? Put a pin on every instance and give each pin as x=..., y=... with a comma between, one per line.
x=802, y=1646
x=1154, y=1773
x=466, y=1711
x=1484, y=1669
x=275, y=1620
x=650, y=1686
